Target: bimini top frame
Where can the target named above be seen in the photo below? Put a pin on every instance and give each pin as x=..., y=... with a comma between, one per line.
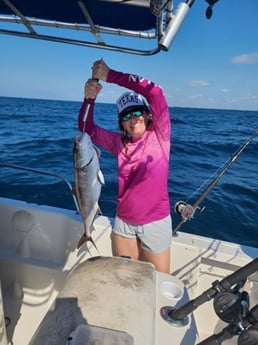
x=96, y=22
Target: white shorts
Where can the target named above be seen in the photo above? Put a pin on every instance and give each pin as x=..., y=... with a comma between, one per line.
x=155, y=237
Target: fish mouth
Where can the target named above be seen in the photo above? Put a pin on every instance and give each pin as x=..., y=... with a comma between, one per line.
x=78, y=137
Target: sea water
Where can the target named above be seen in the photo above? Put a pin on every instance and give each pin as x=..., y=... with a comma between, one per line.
x=38, y=134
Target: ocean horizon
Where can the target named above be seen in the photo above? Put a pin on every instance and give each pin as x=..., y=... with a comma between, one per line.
x=39, y=133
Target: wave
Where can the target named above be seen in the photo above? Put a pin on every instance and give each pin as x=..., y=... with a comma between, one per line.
x=39, y=134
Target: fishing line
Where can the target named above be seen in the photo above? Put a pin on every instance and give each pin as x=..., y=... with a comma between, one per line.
x=85, y=115
x=186, y=210
x=207, y=181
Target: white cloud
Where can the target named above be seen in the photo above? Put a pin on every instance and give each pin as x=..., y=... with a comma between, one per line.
x=196, y=96
x=225, y=90
x=246, y=59
x=197, y=83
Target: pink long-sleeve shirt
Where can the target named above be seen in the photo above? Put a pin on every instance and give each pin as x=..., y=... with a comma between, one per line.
x=143, y=168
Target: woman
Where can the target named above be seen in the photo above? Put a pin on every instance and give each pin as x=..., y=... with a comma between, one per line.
x=142, y=228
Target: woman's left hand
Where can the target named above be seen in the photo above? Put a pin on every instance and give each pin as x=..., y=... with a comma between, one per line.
x=100, y=70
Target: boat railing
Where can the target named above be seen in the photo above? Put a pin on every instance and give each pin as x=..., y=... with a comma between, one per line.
x=45, y=173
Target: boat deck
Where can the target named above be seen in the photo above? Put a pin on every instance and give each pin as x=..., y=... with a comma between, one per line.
x=49, y=288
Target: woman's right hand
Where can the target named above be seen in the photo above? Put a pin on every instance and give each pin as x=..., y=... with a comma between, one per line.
x=92, y=88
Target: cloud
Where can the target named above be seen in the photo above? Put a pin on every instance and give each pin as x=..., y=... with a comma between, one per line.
x=197, y=83
x=196, y=96
x=247, y=59
x=225, y=90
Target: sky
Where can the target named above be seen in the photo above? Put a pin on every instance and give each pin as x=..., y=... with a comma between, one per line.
x=211, y=64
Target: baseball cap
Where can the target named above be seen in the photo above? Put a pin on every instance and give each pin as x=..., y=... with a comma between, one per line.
x=130, y=100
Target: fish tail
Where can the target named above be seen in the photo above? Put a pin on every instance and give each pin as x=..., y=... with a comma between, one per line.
x=84, y=239
x=91, y=240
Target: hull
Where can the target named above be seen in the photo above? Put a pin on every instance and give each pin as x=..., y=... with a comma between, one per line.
x=46, y=283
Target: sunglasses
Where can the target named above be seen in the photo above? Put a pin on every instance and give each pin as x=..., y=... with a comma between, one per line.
x=127, y=116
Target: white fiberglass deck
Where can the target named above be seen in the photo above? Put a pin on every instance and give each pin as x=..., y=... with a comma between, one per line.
x=38, y=252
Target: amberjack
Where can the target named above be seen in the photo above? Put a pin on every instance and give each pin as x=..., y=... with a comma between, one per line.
x=88, y=180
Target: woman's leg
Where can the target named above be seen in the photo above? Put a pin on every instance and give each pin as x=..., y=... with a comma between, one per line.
x=161, y=261
x=123, y=246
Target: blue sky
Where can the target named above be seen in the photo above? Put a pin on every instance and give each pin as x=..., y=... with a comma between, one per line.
x=212, y=63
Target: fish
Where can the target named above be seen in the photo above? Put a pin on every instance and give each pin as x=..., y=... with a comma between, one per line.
x=88, y=181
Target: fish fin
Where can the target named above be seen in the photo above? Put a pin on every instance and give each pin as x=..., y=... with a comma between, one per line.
x=81, y=241
x=99, y=212
x=101, y=177
x=84, y=239
x=91, y=240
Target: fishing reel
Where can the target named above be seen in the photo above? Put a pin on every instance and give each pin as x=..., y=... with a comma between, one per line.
x=185, y=210
x=232, y=307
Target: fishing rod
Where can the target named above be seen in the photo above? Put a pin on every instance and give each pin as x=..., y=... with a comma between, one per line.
x=88, y=106
x=230, y=304
x=89, y=102
x=246, y=331
x=187, y=211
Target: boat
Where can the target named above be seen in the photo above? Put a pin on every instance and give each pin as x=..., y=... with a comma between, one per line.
x=53, y=293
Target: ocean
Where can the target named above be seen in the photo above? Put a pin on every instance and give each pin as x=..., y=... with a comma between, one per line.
x=38, y=134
